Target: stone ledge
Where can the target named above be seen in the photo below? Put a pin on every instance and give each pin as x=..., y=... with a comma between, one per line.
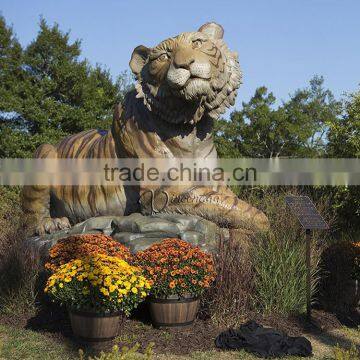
x=137, y=231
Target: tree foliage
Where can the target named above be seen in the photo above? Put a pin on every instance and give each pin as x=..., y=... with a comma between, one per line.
x=344, y=134
x=296, y=128
x=344, y=142
x=48, y=91
x=311, y=123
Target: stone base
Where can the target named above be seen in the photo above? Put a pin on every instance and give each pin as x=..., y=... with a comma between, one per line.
x=138, y=232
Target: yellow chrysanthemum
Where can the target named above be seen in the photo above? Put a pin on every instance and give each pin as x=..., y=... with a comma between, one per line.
x=102, y=275
x=104, y=291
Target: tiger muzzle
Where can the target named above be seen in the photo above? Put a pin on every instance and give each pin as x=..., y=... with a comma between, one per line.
x=179, y=77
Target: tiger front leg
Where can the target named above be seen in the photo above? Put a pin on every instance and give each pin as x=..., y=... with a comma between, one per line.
x=36, y=207
x=36, y=202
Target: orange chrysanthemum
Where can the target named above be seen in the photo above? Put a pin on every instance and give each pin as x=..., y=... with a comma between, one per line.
x=83, y=245
x=176, y=267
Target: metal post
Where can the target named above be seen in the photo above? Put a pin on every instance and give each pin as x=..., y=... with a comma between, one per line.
x=308, y=273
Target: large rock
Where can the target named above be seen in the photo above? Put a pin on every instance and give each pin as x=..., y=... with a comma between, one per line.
x=138, y=232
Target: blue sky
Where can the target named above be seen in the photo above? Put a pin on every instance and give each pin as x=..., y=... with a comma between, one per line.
x=281, y=43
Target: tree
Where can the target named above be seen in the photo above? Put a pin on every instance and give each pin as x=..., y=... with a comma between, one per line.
x=56, y=92
x=315, y=109
x=10, y=69
x=344, y=133
x=296, y=128
x=344, y=142
x=226, y=139
x=10, y=77
x=262, y=129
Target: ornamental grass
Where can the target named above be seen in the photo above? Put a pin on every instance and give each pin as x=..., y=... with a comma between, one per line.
x=79, y=246
x=98, y=283
x=174, y=267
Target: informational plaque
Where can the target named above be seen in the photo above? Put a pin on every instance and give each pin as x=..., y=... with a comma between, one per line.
x=305, y=211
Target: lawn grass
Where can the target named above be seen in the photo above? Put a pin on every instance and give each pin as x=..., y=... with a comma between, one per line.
x=22, y=344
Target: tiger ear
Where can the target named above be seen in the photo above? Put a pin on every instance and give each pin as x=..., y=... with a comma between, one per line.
x=138, y=59
x=213, y=30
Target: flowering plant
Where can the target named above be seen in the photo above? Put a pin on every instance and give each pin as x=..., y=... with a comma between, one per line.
x=99, y=283
x=78, y=246
x=175, y=267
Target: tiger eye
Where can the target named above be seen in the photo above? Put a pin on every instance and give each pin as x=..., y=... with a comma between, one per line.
x=197, y=44
x=163, y=57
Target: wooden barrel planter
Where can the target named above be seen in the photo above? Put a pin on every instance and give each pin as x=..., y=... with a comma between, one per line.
x=173, y=311
x=92, y=327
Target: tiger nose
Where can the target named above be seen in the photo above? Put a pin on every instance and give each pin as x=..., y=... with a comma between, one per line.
x=183, y=58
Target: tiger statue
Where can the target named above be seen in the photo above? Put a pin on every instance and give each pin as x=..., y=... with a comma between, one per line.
x=182, y=86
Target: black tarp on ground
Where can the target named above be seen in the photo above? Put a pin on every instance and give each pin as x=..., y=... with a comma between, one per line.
x=263, y=342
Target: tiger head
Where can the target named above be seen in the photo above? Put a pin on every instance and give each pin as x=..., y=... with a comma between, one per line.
x=187, y=77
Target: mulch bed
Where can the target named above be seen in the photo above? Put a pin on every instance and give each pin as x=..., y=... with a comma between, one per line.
x=53, y=322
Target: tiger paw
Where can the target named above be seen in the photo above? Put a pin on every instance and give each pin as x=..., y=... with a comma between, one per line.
x=49, y=225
